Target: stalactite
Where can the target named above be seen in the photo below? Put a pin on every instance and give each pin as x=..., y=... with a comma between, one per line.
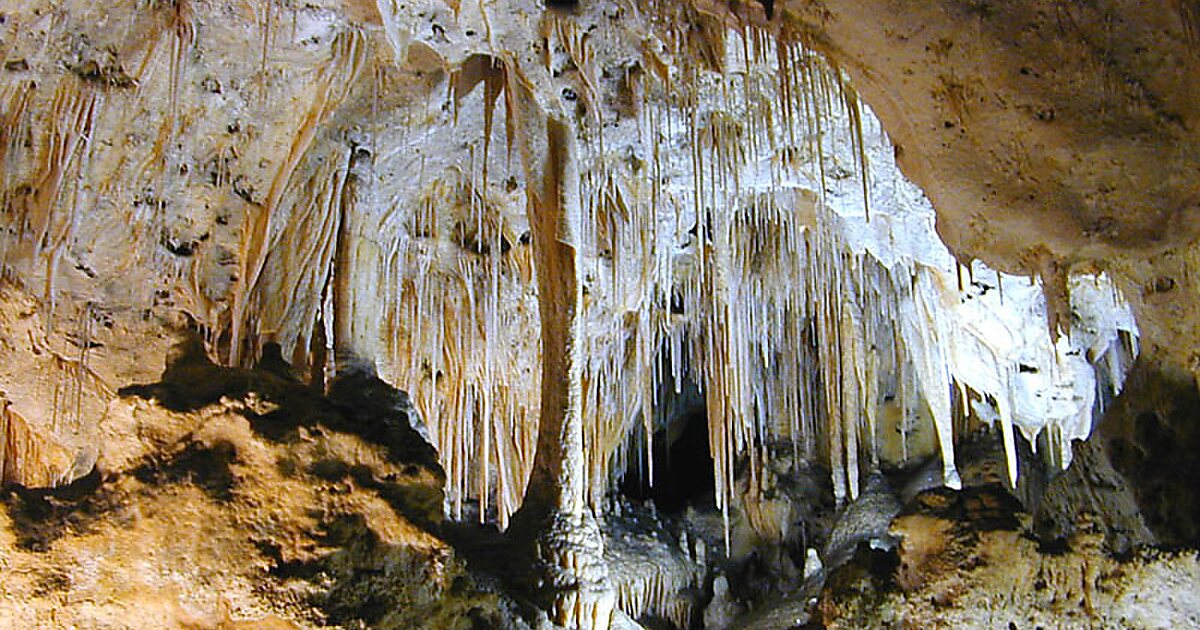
x=476, y=343
x=14, y=116
x=304, y=259
x=49, y=219
x=731, y=248
x=654, y=582
x=858, y=303
x=267, y=27
x=339, y=78
x=185, y=33
x=28, y=457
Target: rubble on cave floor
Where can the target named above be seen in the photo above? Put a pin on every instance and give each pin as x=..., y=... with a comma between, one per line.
x=913, y=554
x=955, y=570
x=241, y=498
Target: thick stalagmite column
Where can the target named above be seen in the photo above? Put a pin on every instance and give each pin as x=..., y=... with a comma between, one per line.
x=555, y=520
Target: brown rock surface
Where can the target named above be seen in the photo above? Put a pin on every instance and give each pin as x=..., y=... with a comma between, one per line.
x=237, y=499
x=245, y=169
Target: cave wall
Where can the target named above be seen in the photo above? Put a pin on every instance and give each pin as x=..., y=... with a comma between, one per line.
x=434, y=191
x=307, y=195
x=1051, y=137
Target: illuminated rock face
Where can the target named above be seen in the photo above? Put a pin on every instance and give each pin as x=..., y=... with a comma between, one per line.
x=537, y=221
x=1049, y=140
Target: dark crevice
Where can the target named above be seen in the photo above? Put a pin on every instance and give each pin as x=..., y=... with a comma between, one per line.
x=682, y=461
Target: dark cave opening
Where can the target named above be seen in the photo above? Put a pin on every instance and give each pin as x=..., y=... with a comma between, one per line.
x=682, y=461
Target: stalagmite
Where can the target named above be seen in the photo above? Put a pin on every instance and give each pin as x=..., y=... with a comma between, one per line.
x=700, y=211
x=740, y=248
x=554, y=513
x=723, y=224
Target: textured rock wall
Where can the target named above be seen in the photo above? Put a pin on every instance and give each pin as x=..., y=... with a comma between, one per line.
x=1051, y=137
x=348, y=191
x=372, y=186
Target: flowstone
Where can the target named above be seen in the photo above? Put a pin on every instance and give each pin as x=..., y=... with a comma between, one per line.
x=572, y=573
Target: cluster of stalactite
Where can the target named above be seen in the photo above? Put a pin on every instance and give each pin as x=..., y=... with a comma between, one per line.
x=716, y=242
x=709, y=251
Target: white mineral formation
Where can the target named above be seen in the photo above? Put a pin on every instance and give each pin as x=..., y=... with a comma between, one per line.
x=532, y=220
